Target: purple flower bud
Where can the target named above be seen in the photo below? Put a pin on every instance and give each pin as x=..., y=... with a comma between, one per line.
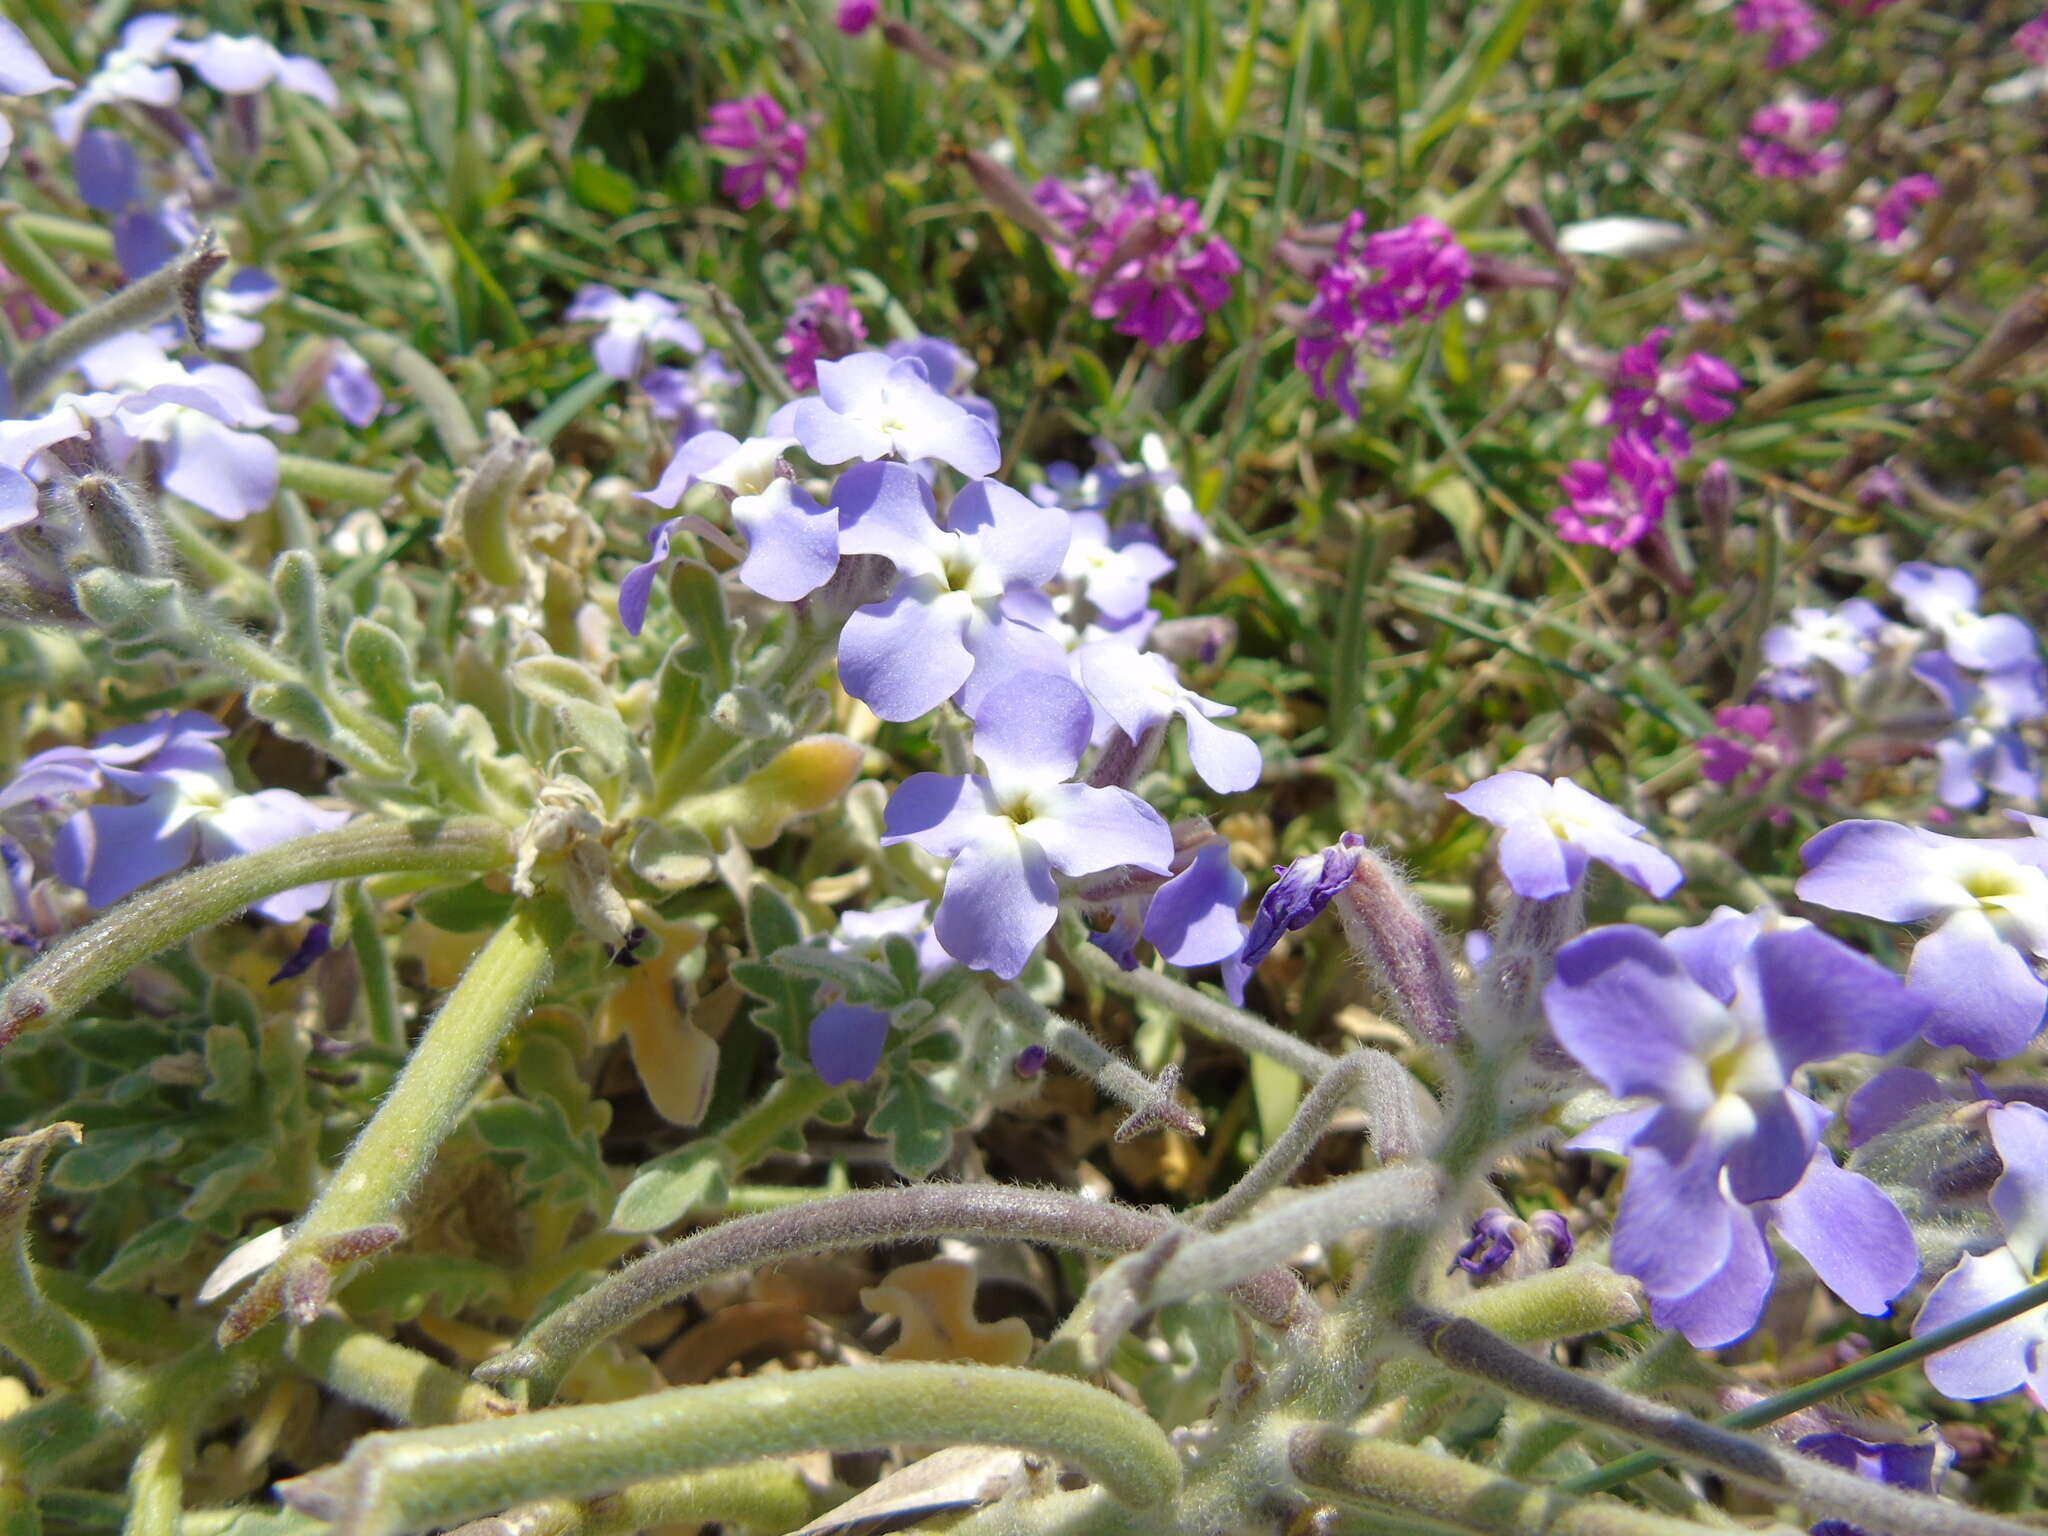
x=311, y=949
x=1298, y=897
x=1713, y=496
x=1503, y=1244
x=1030, y=1062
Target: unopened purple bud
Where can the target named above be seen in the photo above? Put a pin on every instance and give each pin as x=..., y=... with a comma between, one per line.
x=1198, y=641
x=1491, y=1244
x=1504, y=1246
x=1298, y=897
x=312, y=949
x=1551, y=1227
x=1391, y=932
x=1030, y=1062
x=1536, y=221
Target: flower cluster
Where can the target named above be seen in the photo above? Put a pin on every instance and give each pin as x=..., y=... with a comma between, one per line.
x=1793, y=27
x=1371, y=284
x=1154, y=266
x=825, y=326
x=1892, y=216
x=763, y=149
x=1789, y=141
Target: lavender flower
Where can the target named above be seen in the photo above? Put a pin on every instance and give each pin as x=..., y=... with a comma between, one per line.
x=764, y=150
x=1190, y=918
x=2013, y=1354
x=1012, y=828
x=823, y=326
x=1710, y=1023
x=1893, y=214
x=1988, y=902
x=134, y=71
x=1298, y=897
x=1503, y=1244
x=1372, y=284
x=1550, y=829
x=691, y=399
x=1984, y=747
x=1944, y=599
x=242, y=66
x=1618, y=503
x=965, y=611
x=1113, y=571
x=1156, y=266
x=632, y=327
x=22, y=73
x=1648, y=396
x=1841, y=637
x=1795, y=31
x=1784, y=142
x=351, y=388
x=1140, y=691
x=1918, y=1467
x=872, y=405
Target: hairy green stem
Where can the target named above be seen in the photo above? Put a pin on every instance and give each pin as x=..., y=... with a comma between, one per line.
x=1151, y=1101
x=452, y=421
x=61, y=982
x=358, y=1211
x=21, y=252
x=404, y=1385
x=173, y=288
x=33, y=1329
x=373, y=965
x=156, y=1483
x=1290, y=1149
x=757, y=1498
x=918, y=1212
x=1824, y=1490
x=1410, y=1481
x=394, y=1483
x=343, y=484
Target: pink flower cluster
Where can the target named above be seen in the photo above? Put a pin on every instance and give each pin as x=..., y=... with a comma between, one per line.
x=2032, y=40
x=1786, y=142
x=1157, y=269
x=1795, y=31
x=1751, y=748
x=1371, y=284
x=763, y=149
x=1619, y=502
x=824, y=326
x=1894, y=212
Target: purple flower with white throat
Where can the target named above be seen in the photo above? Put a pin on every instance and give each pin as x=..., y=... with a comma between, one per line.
x=1984, y=747
x=1140, y=691
x=1618, y=503
x=204, y=452
x=1944, y=600
x=1843, y=637
x=1649, y=398
x=2014, y=1354
x=823, y=327
x=134, y=71
x=966, y=611
x=1710, y=1023
x=1892, y=216
x=792, y=542
x=1114, y=571
x=1011, y=829
x=243, y=66
x=1551, y=829
x=1987, y=899
x=632, y=327
x=1793, y=28
x=1786, y=142
x=763, y=149
x=1190, y=918
x=872, y=406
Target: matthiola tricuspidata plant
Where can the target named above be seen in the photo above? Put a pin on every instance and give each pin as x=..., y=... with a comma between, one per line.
x=1020, y=770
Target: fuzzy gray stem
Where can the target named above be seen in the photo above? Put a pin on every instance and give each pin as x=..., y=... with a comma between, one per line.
x=857, y=1220
x=1311, y=1119
x=1150, y=1100
x=172, y=288
x=1823, y=1490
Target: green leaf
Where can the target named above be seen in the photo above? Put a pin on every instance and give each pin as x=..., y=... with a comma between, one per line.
x=403, y=1285
x=221, y=1177
x=784, y=1006
x=1275, y=1093
x=381, y=664
x=301, y=612
x=157, y=1246
x=470, y=908
x=669, y=1188
x=108, y=1157
x=601, y=189
x=230, y=1065
x=917, y=1121
x=555, y=1158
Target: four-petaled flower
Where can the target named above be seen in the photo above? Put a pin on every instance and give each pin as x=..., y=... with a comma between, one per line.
x=1842, y=637
x=763, y=147
x=1372, y=284
x=1988, y=901
x=1785, y=142
x=1617, y=503
x=1550, y=829
x=1013, y=828
x=1648, y=396
x=1984, y=746
x=966, y=611
x=632, y=326
x=1945, y=601
x=871, y=406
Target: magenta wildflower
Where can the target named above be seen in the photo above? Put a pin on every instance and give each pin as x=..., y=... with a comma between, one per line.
x=763, y=150
x=856, y=16
x=1372, y=284
x=1784, y=142
x=1894, y=212
x=1647, y=395
x=1156, y=267
x=2032, y=40
x=823, y=327
x=1618, y=503
x=1749, y=749
x=1795, y=31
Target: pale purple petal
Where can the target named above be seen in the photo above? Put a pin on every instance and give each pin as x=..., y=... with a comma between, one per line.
x=1085, y=828
x=1675, y=1228
x=1821, y=999
x=1729, y=1304
x=1851, y=1233
x=1772, y=1158
x=1000, y=901
x=1021, y=541
x=1227, y=761
x=1536, y=863
x=308, y=78
x=831, y=438
x=1631, y=858
x=1193, y=917
x=1505, y=798
x=110, y=850
x=846, y=1043
x=22, y=70
x=1995, y=1361
x=792, y=542
x=1986, y=996
x=17, y=499
x=1030, y=733
x=2020, y=1197
x=638, y=585
x=352, y=389
x=617, y=352
x=107, y=171
x=941, y=813
x=905, y=656
x=1879, y=869
x=1628, y=1011
x=697, y=454
x=887, y=509
x=1004, y=652
x=593, y=301
x=234, y=66
x=230, y=474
